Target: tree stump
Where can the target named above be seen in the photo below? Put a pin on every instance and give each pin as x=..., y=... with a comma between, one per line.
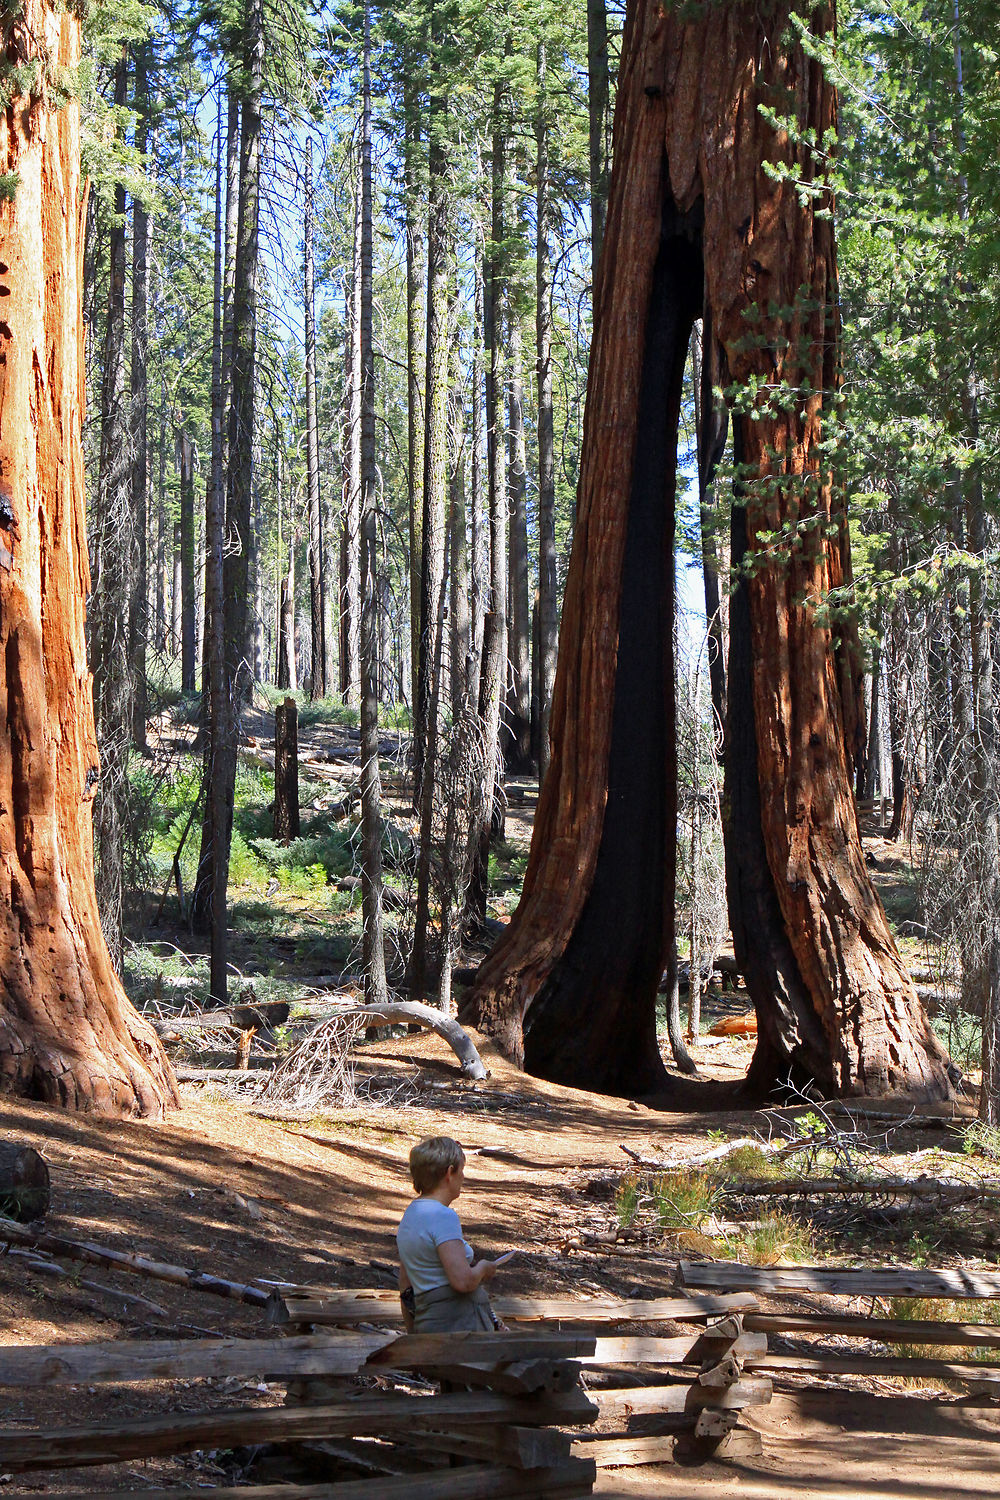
x=24, y=1183
x=286, y=771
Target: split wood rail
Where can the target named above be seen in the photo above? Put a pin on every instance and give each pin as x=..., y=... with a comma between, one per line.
x=689, y=1386
x=781, y=1283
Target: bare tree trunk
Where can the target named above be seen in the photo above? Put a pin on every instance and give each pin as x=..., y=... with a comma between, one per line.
x=113, y=531
x=68, y=1034
x=162, y=532
x=571, y=986
x=212, y=901
x=495, y=621
x=286, y=675
x=435, y=487
x=286, y=771
x=209, y=907
x=233, y=113
x=350, y=542
x=376, y=990
x=459, y=654
x=185, y=462
x=517, y=730
x=317, y=603
x=176, y=595
x=415, y=287
x=547, y=591
x=598, y=98
x=433, y=578
x=139, y=603
x=480, y=514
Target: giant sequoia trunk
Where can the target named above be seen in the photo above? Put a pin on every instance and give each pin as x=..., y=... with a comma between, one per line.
x=693, y=214
x=67, y=1032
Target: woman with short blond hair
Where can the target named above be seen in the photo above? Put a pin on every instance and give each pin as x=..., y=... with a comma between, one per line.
x=442, y=1285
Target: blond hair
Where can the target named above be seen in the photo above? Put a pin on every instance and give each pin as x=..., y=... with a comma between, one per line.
x=431, y=1159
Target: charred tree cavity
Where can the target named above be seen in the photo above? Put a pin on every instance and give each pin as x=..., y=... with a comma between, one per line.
x=595, y=1017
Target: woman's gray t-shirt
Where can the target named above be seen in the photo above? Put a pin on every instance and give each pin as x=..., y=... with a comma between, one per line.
x=425, y=1225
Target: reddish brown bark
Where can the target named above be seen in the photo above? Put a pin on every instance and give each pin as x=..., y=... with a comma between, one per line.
x=690, y=140
x=67, y=1032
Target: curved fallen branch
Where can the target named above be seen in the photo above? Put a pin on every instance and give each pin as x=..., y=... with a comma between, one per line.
x=411, y=1011
x=130, y=1260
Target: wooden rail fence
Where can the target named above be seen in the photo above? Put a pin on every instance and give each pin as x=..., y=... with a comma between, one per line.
x=511, y=1417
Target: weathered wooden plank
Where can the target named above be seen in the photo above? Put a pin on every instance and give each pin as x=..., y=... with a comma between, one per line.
x=518, y=1447
x=190, y=1359
x=307, y=1305
x=886, y=1281
x=420, y=1351
x=612, y=1451
x=487, y=1482
x=883, y=1366
x=522, y=1378
x=681, y=1397
x=886, y=1330
x=183, y=1432
x=685, y=1349
x=304, y=1354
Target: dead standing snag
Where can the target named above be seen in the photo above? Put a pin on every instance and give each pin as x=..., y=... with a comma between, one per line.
x=696, y=223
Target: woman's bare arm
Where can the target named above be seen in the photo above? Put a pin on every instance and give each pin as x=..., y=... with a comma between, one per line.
x=463, y=1277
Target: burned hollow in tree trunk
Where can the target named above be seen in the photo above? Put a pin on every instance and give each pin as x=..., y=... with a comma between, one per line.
x=595, y=1015
x=570, y=988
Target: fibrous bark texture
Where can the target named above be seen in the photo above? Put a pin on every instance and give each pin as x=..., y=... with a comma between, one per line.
x=703, y=93
x=67, y=1032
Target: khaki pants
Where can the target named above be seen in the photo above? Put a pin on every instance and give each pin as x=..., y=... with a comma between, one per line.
x=443, y=1310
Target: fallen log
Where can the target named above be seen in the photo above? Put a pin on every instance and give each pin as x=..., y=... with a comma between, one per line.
x=573, y=1477
x=413, y=1012
x=894, y=1281
x=129, y=1260
x=52, y=1268
x=184, y=1432
x=24, y=1182
x=894, y=1187
x=717, y=1153
x=262, y=1017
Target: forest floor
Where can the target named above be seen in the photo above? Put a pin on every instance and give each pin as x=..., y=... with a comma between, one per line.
x=245, y=1192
